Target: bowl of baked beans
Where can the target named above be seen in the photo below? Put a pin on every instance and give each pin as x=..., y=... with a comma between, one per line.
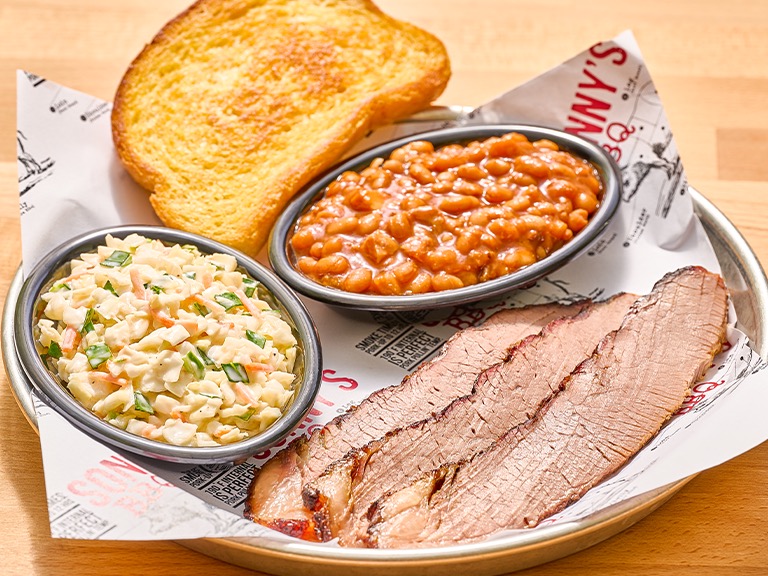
x=446, y=217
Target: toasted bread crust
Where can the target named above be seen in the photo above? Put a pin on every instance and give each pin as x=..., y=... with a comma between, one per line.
x=237, y=104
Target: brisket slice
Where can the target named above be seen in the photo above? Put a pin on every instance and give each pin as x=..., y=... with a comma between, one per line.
x=505, y=395
x=275, y=494
x=610, y=406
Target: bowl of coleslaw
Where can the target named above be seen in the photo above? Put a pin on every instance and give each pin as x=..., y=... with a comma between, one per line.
x=167, y=344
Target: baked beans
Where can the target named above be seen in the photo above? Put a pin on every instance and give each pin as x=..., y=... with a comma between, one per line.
x=426, y=220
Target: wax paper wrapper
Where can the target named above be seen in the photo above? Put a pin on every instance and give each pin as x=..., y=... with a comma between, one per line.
x=71, y=181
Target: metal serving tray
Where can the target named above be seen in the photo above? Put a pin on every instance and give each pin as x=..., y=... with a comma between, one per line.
x=748, y=287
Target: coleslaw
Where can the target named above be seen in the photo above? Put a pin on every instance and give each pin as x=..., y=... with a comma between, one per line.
x=168, y=343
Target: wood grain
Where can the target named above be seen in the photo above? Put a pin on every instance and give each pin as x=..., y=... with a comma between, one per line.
x=742, y=153
x=709, y=60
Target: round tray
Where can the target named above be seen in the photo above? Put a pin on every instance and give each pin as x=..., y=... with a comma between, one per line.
x=749, y=291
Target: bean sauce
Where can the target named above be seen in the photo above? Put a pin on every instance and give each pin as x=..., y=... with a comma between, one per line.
x=426, y=220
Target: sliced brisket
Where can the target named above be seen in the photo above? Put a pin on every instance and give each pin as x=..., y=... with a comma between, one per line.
x=505, y=395
x=275, y=494
x=610, y=406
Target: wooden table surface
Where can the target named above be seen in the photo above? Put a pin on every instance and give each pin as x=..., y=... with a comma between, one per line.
x=709, y=60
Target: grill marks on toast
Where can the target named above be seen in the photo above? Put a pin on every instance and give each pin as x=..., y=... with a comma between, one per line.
x=610, y=406
x=275, y=494
x=503, y=396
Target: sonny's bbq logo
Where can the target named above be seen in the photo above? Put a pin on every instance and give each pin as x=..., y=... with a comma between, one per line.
x=588, y=116
x=640, y=142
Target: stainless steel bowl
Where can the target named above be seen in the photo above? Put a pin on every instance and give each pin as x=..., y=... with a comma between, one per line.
x=307, y=365
x=284, y=263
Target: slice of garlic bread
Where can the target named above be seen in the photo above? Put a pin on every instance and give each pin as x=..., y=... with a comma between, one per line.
x=236, y=104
